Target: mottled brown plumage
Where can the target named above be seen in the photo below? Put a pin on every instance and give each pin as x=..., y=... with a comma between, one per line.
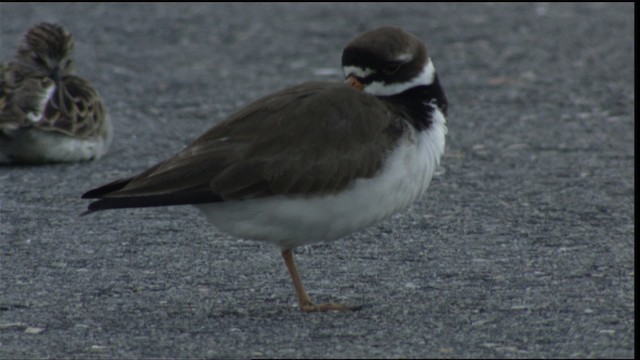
x=45, y=50
x=24, y=105
x=75, y=125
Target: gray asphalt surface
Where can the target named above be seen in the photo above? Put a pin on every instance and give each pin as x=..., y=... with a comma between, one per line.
x=522, y=247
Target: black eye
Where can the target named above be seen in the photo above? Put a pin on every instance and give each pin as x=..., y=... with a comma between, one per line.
x=391, y=68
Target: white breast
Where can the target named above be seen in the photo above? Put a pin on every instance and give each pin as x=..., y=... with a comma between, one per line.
x=290, y=222
x=34, y=145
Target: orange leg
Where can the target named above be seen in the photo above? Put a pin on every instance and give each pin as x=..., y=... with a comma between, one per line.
x=305, y=302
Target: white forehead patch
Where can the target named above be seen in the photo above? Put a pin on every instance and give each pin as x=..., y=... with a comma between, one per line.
x=425, y=77
x=357, y=71
x=404, y=57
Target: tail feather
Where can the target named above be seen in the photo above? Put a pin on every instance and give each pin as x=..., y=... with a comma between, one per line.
x=109, y=200
x=103, y=190
x=151, y=201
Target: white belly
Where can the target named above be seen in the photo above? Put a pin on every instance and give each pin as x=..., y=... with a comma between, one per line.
x=35, y=146
x=293, y=221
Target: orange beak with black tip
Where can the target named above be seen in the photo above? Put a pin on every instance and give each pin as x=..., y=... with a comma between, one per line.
x=353, y=81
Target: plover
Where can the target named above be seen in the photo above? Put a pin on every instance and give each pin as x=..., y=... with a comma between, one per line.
x=313, y=162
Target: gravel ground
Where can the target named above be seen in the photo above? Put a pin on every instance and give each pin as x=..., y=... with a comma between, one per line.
x=522, y=247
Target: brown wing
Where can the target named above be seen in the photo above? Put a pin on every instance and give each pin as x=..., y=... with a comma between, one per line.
x=5, y=89
x=75, y=108
x=313, y=138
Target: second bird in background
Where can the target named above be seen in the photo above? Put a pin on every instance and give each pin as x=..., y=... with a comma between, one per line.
x=47, y=113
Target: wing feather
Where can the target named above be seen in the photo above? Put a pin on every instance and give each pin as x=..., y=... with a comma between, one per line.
x=310, y=139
